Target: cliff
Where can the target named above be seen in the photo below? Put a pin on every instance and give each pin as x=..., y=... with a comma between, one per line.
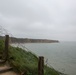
x=23, y=61
x=27, y=40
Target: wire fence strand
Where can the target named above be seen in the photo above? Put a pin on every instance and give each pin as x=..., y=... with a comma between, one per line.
x=4, y=32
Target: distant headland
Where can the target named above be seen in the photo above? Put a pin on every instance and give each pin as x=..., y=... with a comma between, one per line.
x=28, y=40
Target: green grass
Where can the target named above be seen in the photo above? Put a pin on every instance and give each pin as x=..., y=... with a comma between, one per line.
x=1, y=48
x=1, y=45
x=22, y=61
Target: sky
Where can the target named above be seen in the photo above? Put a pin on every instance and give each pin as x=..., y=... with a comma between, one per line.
x=40, y=19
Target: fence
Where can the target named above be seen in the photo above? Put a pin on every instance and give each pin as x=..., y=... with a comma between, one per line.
x=5, y=54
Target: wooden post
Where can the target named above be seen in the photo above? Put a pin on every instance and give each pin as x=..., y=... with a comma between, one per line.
x=41, y=66
x=6, y=46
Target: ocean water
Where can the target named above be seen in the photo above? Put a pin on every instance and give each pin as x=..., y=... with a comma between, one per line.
x=61, y=56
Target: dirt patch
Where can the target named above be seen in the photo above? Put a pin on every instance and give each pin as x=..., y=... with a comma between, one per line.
x=9, y=73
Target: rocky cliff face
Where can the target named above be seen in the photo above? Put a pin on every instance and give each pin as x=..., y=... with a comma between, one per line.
x=27, y=40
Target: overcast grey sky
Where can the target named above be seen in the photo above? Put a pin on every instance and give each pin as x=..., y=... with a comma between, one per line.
x=47, y=19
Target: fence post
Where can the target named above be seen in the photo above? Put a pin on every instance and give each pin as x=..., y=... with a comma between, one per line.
x=41, y=65
x=6, y=47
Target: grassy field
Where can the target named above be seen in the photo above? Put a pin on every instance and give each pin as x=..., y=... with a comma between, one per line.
x=25, y=61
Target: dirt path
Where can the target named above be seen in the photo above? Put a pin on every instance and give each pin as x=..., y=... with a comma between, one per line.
x=4, y=67
x=8, y=72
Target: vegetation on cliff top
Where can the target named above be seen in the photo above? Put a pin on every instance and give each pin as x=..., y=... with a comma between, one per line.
x=23, y=61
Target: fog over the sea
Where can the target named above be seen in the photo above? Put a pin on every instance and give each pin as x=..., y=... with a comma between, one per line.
x=45, y=19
